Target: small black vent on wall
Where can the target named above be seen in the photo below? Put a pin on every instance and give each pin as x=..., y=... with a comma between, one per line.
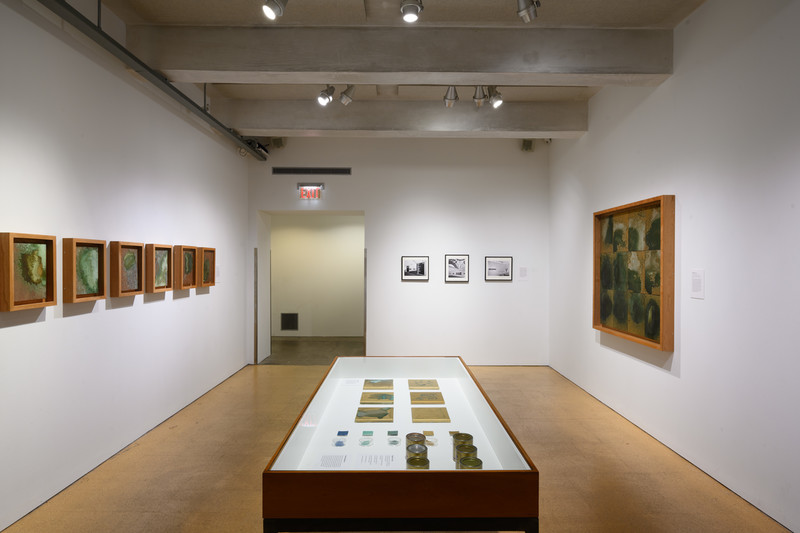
x=289, y=321
x=341, y=171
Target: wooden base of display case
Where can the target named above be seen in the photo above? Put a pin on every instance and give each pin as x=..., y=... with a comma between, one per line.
x=528, y=525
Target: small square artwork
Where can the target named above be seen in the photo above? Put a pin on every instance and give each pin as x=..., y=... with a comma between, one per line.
x=185, y=266
x=159, y=268
x=429, y=415
x=207, y=267
x=30, y=272
x=420, y=397
x=414, y=268
x=423, y=384
x=27, y=271
x=456, y=268
x=188, y=271
x=84, y=270
x=375, y=414
x=499, y=268
x=377, y=397
x=378, y=384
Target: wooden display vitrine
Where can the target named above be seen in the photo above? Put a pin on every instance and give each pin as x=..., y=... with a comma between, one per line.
x=337, y=470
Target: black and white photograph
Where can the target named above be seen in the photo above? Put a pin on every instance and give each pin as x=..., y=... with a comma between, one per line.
x=499, y=268
x=456, y=268
x=414, y=268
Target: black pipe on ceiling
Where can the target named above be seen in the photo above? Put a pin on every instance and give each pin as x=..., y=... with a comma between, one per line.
x=96, y=34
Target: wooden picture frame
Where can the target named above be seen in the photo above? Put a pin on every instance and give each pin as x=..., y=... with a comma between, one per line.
x=207, y=267
x=498, y=268
x=456, y=268
x=127, y=268
x=414, y=267
x=158, y=274
x=84, y=270
x=27, y=271
x=186, y=267
x=634, y=272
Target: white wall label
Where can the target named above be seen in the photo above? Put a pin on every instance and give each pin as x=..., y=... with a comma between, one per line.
x=698, y=284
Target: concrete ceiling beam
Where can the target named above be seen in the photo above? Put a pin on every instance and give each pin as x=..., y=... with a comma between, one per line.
x=406, y=56
x=407, y=119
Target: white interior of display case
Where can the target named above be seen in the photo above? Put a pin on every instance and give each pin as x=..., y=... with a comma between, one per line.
x=316, y=443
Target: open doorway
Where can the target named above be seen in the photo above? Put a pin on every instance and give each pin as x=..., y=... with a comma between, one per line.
x=316, y=289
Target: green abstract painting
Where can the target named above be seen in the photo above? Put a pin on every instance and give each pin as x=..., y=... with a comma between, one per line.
x=208, y=266
x=188, y=267
x=630, y=272
x=130, y=279
x=30, y=272
x=161, y=267
x=87, y=270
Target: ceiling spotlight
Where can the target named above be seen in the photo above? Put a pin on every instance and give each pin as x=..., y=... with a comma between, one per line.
x=274, y=8
x=526, y=9
x=450, y=96
x=347, y=95
x=495, y=98
x=326, y=96
x=480, y=96
x=411, y=10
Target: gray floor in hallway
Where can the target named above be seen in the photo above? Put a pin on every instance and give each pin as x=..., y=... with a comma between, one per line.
x=200, y=471
x=313, y=350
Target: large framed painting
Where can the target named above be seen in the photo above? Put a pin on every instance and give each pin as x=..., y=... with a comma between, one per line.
x=634, y=272
x=208, y=257
x=456, y=268
x=27, y=271
x=127, y=268
x=84, y=270
x=158, y=274
x=414, y=268
x=186, y=267
x=499, y=268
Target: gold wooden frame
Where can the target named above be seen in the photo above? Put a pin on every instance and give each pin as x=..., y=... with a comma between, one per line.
x=178, y=267
x=212, y=279
x=150, y=270
x=7, y=277
x=612, y=298
x=117, y=264
x=70, y=253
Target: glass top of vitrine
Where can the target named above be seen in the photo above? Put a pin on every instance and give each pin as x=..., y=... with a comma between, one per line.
x=360, y=415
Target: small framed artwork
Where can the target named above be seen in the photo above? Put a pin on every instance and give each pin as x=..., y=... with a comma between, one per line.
x=634, y=272
x=186, y=268
x=84, y=270
x=499, y=268
x=127, y=268
x=159, y=268
x=27, y=271
x=207, y=267
x=414, y=268
x=456, y=268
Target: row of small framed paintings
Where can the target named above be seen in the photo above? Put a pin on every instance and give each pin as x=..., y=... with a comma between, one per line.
x=28, y=269
x=456, y=268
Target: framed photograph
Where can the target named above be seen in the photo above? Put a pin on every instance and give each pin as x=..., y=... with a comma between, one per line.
x=456, y=268
x=207, y=267
x=84, y=270
x=414, y=268
x=185, y=266
x=127, y=268
x=27, y=271
x=499, y=268
x=159, y=268
x=634, y=272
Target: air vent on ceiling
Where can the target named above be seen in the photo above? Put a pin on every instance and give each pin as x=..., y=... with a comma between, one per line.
x=340, y=171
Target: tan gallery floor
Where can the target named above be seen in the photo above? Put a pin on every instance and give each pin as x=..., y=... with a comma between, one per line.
x=200, y=471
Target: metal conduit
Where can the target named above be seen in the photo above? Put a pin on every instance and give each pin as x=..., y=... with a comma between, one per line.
x=96, y=34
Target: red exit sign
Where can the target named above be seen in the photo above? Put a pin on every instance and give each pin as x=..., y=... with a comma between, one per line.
x=310, y=191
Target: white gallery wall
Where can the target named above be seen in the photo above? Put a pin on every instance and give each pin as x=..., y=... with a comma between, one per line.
x=431, y=197
x=86, y=152
x=723, y=135
x=317, y=271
